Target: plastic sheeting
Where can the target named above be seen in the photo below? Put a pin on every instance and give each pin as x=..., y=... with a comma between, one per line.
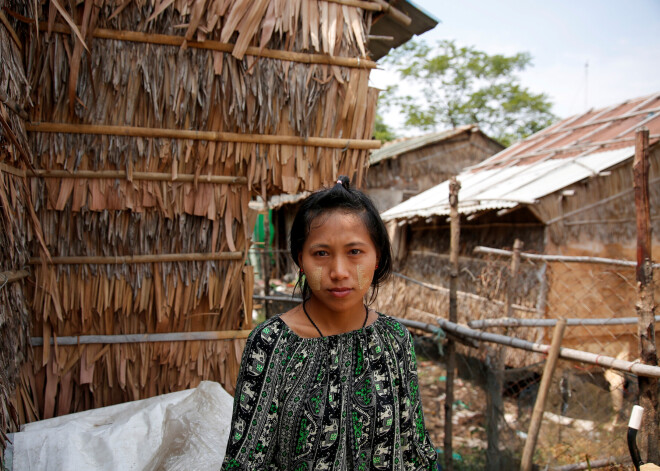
x=182, y=430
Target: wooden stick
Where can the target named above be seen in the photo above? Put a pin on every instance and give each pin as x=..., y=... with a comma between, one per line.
x=539, y=405
x=147, y=176
x=514, y=322
x=359, y=4
x=12, y=170
x=604, y=361
x=375, y=37
x=10, y=30
x=128, y=259
x=145, y=338
x=560, y=258
x=133, y=131
x=397, y=15
x=454, y=244
x=648, y=387
x=178, y=41
x=11, y=276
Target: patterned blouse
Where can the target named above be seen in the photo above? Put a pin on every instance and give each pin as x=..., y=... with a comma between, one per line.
x=343, y=402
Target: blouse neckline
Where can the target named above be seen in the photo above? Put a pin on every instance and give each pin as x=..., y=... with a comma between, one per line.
x=366, y=328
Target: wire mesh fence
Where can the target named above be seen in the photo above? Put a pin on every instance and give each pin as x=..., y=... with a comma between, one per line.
x=586, y=414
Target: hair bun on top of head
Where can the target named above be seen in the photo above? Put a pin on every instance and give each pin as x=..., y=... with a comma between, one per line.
x=344, y=181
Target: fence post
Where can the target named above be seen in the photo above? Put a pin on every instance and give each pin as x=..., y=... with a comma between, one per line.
x=455, y=234
x=539, y=405
x=648, y=387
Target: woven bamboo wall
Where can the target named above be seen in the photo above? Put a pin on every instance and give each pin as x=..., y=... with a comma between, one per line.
x=171, y=96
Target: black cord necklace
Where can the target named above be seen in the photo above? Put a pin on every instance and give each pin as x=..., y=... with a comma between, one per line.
x=366, y=316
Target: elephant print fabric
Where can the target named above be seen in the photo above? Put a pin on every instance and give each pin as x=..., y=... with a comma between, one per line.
x=343, y=402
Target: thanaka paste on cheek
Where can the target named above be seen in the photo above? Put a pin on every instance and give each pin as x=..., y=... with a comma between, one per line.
x=315, y=279
x=362, y=280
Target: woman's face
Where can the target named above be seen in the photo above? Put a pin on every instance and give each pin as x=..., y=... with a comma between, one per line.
x=339, y=259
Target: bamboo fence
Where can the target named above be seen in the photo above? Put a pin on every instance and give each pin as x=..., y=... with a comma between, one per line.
x=152, y=125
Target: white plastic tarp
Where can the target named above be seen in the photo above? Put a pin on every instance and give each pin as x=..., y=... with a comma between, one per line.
x=186, y=430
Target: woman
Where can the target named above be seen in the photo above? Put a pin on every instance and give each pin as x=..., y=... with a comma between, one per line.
x=331, y=384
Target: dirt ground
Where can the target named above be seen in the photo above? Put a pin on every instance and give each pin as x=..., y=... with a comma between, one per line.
x=557, y=444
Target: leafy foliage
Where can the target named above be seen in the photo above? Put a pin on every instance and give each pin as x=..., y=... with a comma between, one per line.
x=382, y=131
x=456, y=85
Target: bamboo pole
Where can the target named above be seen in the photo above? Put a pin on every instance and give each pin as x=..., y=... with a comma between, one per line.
x=135, y=131
x=397, y=15
x=541, y=398
x=648, y=387
x=17, y=172
x=146, y=176
x=144, y=338
x=455, y=234
x=513, y=322
x=130, y=259
x=178, y=41
x=371, y=6
x=604, y=361
x=560, y=258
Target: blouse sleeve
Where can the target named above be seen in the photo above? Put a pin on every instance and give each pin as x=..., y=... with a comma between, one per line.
x=254, y=417
x=426, y=455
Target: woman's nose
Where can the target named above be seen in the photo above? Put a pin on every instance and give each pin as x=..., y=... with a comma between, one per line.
x=339, y=269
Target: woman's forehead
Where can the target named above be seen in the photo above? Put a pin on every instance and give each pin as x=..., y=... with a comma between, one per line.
x=338, y=223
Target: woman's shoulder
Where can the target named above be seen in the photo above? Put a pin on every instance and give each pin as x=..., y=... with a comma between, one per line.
x=394, y=326
x=268, y=331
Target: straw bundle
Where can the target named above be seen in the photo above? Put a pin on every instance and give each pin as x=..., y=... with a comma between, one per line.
x=131, y=132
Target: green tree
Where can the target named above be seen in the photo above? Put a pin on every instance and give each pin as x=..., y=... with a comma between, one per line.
x=461, y=85
x=382, y=131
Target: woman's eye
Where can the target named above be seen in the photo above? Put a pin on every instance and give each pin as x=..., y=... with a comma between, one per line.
x=320, y=253
x=356, y=251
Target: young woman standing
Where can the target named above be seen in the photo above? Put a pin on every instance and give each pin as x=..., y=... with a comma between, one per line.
x=331, y=384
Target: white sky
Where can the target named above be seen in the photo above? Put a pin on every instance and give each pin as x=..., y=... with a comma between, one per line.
x=620, y=40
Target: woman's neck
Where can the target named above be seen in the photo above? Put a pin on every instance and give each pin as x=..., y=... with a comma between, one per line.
x=332, y=322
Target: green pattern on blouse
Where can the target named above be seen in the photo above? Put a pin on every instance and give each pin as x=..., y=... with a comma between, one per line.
x=344, y=402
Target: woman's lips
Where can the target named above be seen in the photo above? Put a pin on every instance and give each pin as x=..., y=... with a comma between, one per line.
x=340, y=292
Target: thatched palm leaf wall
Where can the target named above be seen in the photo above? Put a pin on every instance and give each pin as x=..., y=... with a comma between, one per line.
x=149, y=141
x=16, y=219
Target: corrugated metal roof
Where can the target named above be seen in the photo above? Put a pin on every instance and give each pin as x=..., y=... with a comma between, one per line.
x=399, y=147
x=507, y=187
x=554, y=158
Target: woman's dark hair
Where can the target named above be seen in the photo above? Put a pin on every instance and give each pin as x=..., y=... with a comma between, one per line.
x=343, y=198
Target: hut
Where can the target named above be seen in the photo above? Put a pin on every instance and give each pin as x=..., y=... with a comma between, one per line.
x=566, y=190
x=147, y=129
x=406, y=167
